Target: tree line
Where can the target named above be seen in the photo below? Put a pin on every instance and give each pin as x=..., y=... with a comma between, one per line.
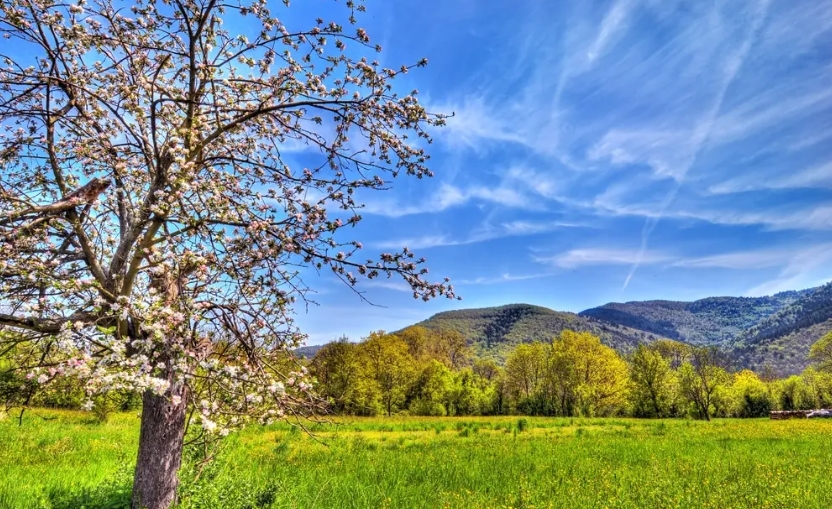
x=422, y=371
x=434, y=372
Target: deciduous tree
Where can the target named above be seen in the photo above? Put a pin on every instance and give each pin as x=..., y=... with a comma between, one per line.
x=588, y=378
x=153, y=233
x=431, y=390
x=821, y=353
x=748, y=395
x=701, y=378
x=340, y=375
x=389, y=363
x=525, y=370
x=450, y=347
x=651, y=383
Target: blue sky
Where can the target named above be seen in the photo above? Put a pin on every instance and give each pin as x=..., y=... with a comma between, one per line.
x=603, y=151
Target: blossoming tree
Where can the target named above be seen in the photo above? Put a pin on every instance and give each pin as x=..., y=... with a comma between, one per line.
x=153, y=234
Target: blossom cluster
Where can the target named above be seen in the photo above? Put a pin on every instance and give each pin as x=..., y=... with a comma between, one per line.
x=183, y=267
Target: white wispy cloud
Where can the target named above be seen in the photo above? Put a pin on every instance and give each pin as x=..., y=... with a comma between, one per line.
x=449, y=196
x=703, y=128
x=772, y=108
x=419, y=242
x=665, y=150
x=796, y=267
x=529, y=227
x=774, y=218
x=614, y=23
x=809, y=218
x=504, y=278
x=818, y=176
x=388, y=284
x=485, y=232
x=805, y=268
x=474, y=124
x=741, y=260
x=600, y=256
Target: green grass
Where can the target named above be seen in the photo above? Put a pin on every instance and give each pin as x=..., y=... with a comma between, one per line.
x=62, y=459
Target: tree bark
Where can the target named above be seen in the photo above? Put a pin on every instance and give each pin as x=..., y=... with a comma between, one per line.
x=160, y=451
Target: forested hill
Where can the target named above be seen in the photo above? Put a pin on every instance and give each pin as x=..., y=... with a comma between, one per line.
x=758, y=332
x=782, y=340
x=494, y=331
x=774, y=331
x=710, y=321
x=783, y=355
x=813, y=307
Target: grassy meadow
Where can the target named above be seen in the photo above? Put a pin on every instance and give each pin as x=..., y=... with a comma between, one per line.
x=62, y=459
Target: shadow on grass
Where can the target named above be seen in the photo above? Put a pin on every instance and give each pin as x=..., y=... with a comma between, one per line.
x=214, y=489
x=114, y=493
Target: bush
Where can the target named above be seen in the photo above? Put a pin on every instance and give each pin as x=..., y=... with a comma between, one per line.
x=428, y=408
x=11, y=384
x=755, y=406
x=61, y=393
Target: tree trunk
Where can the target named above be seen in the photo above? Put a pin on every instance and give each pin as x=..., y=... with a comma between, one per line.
x=160, y=451
x=704, y=409
x=656, y=409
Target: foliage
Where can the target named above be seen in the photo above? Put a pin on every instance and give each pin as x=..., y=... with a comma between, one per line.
x=524, y=375
x=702, y=379
x=652, y=383
x=574, y=375
x=710, y=321
x=782, y=355
x=432, y=392
x=388, y=364
x=727, y=322
x=821, y=353
x=421, y=371
x=749, y=396
x=154, y=237
x=493, y=332
x=585, y=377
x=14, y=388
x=818, y=388
x=813, y=307
x=342, y=379
x=794, y=394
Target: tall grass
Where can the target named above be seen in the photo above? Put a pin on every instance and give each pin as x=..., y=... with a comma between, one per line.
x=495, y=462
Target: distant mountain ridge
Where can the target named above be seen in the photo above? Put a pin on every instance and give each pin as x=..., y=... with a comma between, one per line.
x=761, y=333
x=811, y=308
x=758, y=332
x=709, y=321
x=495, y=330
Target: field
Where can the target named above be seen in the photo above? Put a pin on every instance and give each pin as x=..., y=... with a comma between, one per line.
x=65, y=459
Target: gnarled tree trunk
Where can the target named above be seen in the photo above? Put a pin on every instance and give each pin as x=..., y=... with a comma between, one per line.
x=160, y=451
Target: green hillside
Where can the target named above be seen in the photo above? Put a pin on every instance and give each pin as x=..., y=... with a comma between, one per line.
x=493, y=331
x=710, y=321
x=782, y=355
x=813, y=307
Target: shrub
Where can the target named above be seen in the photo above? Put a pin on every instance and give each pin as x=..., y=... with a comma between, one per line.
x=427, y=407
